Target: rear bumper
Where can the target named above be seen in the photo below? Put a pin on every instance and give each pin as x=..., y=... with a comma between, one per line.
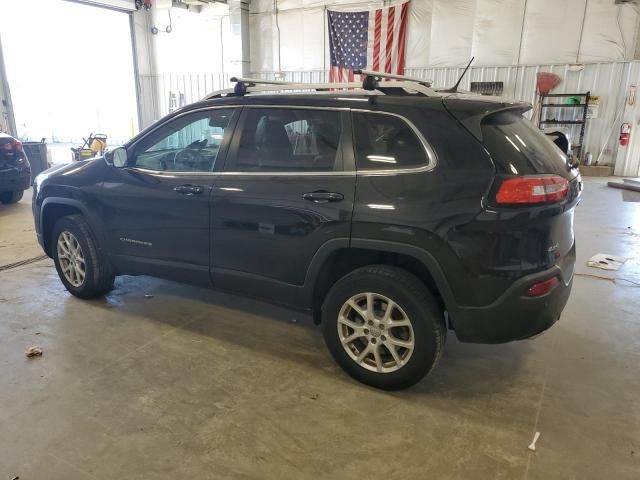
x=12, y=180
x=514, y=316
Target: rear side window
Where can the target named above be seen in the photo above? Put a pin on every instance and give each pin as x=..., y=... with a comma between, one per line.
x=386, y=142
x=519, y=148
x=287, y=139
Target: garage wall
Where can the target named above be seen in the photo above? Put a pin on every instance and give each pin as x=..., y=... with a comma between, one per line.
x=184, y=64
x=449, y=32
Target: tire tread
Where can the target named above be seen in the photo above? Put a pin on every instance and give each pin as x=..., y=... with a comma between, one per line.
x=103, y=276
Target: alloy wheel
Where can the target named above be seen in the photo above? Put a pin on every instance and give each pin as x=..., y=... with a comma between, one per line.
x=375, y=332
x=71, y=258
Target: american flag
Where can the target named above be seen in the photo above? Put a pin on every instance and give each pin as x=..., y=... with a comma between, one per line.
x=370, y=39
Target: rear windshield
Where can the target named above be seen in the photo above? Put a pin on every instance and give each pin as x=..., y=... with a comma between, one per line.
x=519, y=148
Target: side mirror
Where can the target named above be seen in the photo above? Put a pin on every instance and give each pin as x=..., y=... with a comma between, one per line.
x=117, y=157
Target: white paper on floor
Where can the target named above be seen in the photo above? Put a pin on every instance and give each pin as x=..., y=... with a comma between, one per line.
x=606, y=261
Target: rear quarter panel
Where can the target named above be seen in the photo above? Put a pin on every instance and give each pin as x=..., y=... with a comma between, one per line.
x=481, y=250
x=431, y=210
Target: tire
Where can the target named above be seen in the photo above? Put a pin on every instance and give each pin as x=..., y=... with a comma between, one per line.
x=98, y=274
x=11, y=197
x=416, y=313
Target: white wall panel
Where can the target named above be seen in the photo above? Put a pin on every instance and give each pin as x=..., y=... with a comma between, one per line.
x=260, y=6
x=195, y=43
x=496, y=31
x=419, y=33
x=610, y=32
x=552, y=31
x=302, y=34
x=451, y=32
x=261, y=27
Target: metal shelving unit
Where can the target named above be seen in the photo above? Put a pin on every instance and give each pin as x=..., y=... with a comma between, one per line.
x=545, y=103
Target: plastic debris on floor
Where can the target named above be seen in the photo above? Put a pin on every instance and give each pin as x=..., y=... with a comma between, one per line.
x=34, y=352
x=532, y=447
x=606, y=261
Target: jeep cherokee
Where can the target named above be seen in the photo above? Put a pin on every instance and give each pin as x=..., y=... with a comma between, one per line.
x=391, y=212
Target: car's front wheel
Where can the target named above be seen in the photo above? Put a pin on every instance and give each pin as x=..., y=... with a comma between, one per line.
x=383, y=326
x=81, y=266
x=11, y=197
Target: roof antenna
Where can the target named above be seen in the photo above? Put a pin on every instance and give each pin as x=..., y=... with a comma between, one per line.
x=454, y=89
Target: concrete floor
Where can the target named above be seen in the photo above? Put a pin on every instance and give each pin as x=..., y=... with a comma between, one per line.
x=197, y=384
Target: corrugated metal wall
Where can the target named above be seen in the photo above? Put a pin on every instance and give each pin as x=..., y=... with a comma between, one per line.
x=609, y=81
x=157, y=92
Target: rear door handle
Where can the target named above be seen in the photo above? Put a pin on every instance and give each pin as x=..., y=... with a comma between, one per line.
x=188, y=189
x=323, y=197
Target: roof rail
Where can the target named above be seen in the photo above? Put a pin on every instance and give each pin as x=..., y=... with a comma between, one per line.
x=370, y=83
x=381, y=75
x=256, y=81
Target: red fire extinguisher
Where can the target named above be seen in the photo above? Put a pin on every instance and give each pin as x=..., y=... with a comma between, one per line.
x=625, y=133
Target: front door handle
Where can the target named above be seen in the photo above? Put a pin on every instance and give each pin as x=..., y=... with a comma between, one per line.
x=323, y=197
x=188, y=189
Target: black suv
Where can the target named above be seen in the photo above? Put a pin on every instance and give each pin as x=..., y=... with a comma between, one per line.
x=393, y=215
x=15, y=171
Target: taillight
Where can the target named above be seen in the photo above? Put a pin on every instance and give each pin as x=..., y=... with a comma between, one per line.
x=13, y=145
x=542, y=288
x=532, y=189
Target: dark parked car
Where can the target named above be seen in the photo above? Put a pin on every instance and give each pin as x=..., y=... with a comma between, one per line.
x=393, y=215
x=15, y=171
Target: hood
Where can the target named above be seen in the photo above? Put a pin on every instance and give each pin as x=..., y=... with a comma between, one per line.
x=67, y=170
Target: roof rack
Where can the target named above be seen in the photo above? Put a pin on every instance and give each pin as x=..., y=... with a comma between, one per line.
x=381, y=75
x=371, y=82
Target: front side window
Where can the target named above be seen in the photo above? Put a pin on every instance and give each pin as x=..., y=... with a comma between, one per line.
x=187, y=144
x=386, y=142
x=287, y=139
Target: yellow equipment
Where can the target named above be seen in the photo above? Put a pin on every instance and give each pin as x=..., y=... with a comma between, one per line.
x=92, y=146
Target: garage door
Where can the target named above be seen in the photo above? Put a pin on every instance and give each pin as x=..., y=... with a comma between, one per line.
x=125, y=5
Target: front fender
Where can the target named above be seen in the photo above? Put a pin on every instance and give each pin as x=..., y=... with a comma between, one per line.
x=47, y=208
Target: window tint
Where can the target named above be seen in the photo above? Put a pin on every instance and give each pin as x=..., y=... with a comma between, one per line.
x=186, y=144
x=289, y=140
x=385, y=142
x=519, y=148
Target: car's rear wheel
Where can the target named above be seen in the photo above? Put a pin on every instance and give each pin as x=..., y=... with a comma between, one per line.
x=81, y=266
x=383, y=326
x=11, y=197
